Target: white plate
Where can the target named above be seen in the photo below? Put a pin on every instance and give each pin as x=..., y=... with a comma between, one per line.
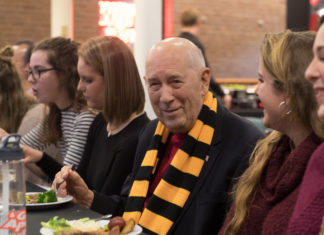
x=40, y=206
x=137, y=229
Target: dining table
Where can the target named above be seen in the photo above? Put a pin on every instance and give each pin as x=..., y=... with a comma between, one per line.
x=69, y=211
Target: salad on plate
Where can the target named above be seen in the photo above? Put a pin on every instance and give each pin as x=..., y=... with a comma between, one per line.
x=62, y=226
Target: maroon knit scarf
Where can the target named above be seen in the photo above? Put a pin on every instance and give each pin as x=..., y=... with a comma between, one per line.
x=274, y=202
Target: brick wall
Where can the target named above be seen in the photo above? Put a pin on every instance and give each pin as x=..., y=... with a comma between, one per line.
x=233, y=31
x=24, y=19
x=30, y=19
x=85, y=19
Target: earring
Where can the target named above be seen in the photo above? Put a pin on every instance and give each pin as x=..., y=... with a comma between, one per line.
x=281, y=104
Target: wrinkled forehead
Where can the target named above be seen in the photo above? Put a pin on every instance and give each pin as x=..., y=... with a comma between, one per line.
x=165, y=65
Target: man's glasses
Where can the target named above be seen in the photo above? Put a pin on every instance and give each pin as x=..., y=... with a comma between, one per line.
x=36, y=74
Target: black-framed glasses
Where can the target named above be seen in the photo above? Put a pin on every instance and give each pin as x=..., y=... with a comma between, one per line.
x=36, y=74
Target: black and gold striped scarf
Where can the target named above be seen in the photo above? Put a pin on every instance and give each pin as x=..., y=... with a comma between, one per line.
x=174, y=189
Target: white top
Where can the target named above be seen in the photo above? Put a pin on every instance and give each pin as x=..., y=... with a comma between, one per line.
x=75, y=127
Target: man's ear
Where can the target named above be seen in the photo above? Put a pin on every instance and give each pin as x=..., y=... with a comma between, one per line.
x=205, y=79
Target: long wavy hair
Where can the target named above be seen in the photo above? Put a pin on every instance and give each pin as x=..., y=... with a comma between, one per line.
x=123, y=89
x=62, y=54
x=13, y=102
x=281, y=58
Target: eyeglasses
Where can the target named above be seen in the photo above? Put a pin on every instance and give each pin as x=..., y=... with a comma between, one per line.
x=38, y=72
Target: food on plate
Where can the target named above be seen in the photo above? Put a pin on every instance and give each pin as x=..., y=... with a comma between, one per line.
x=81, y=226
x=45, y=197
x=130, y=224
x=114, y=231
x=86, y=226
x=117, y=221
x=73, y=232
x=118, y=225
x=57, y=225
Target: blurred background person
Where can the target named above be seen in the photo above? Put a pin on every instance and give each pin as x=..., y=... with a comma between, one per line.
x=267, y=191
x=309, y=210
x=21, y=58
x=14, y=104
x=190, y=24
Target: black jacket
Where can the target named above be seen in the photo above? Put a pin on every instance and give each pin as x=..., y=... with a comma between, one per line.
x=205, y=209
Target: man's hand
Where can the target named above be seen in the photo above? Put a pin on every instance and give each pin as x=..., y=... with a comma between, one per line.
x=69, y=182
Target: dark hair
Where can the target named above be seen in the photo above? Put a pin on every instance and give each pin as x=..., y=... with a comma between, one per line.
x=62, y=54
x=30, y=46
x=124, y=92
x=189, y=17
x=7, y=51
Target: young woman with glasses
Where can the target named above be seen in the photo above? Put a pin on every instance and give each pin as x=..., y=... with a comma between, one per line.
x=54, y=78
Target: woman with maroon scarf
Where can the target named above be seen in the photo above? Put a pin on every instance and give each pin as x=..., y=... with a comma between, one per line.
x=266, y=193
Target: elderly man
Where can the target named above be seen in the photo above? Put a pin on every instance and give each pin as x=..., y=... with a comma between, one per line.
x=186, y=160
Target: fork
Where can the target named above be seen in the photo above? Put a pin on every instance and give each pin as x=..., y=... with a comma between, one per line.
x=104, y=217
x=57, y=185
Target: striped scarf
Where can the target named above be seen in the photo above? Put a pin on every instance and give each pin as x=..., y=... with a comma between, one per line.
x=175, y=187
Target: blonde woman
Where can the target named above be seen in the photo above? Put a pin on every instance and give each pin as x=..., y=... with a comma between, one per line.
x=267, y=191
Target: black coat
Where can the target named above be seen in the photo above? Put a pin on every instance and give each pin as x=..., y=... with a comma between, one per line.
x=205, y=209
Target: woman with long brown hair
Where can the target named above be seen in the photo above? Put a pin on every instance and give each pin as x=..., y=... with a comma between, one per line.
x=266, y=193
x=14, y=103
x=54, y=77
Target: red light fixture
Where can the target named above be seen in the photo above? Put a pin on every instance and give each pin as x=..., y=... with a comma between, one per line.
x=313, y=2
x=167, y=18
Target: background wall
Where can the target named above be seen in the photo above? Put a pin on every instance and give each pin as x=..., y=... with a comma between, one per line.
x=21, y=20
x=31, y=20
x=85, y=19
x=298, y=13
x=232, y=31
